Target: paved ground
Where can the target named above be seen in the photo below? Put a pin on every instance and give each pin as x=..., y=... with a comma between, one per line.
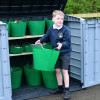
x=91, y=93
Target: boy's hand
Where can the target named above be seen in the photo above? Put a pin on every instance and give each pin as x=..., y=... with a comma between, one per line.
x=59, y=46
x=37, y=42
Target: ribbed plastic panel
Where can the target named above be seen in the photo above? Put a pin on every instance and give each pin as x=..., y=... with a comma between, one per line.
x=91, y=52
x=5, y=81
x=30, y=7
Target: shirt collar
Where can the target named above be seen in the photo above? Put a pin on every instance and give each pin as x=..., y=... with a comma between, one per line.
x=55, y=27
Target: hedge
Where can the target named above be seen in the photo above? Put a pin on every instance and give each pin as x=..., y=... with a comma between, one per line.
x=82, y=6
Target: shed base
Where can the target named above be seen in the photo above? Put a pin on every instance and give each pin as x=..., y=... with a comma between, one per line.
x=27, y=92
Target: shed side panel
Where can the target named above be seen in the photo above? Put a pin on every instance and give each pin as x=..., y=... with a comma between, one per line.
x=91, y=53
x=5, y=67
x=75, y=65
x=1, y=81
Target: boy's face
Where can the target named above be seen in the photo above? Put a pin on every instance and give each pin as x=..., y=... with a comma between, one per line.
x=58, y=20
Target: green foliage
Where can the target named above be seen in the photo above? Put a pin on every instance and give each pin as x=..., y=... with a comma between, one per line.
x=92, y=18
x=82, y=6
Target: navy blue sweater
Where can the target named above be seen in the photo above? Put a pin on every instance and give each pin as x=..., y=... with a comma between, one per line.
x=62, y=35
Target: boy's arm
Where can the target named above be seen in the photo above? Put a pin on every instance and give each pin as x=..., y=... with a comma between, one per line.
x=45, y=38
x=66, y=39
x=37, y=42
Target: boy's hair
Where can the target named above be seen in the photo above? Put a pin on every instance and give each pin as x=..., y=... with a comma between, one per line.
x=57, y=12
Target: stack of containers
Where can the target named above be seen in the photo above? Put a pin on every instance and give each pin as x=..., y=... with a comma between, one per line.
x=18, y=28
x=43, y=70
x=16, y=76
x=33, y=77
x=28, y=48
x=49, y=77
x=15, y=49
x=49, y=23
x=45, y=60
x=36, y=27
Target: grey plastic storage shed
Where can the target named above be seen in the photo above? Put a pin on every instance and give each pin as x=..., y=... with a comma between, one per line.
x=84, y=60
x=84, y=67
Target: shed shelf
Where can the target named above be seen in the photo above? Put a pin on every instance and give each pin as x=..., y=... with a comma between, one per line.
x=25, y=37
x=25, y=53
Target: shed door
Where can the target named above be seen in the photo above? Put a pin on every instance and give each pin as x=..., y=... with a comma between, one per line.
x=5, y=82
x=91, y=30
x=76, y=64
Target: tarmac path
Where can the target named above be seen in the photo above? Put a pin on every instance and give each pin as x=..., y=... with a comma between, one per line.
x=90, y=93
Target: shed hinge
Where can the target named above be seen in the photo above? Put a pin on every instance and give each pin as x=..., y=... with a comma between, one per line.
x=7, y=87
x=6, y=74
x=4, y=61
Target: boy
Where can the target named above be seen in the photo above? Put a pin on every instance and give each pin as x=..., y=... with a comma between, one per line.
x=59, y=36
